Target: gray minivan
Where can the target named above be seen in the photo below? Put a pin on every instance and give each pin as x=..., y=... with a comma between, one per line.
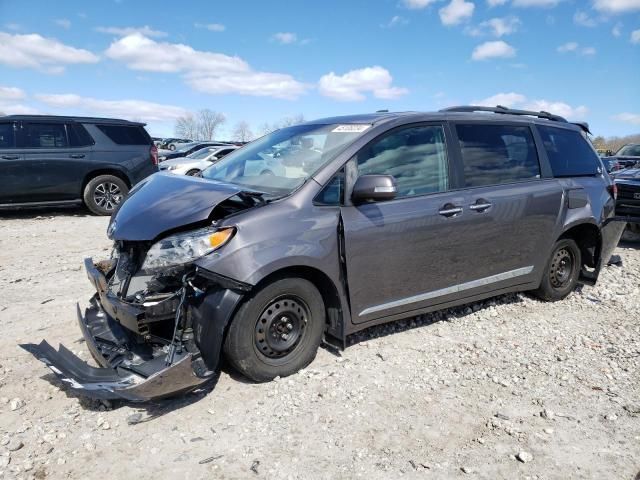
x=50, y=160
x=367, y=219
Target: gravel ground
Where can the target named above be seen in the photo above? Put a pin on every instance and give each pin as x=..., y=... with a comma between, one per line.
x=507, y=388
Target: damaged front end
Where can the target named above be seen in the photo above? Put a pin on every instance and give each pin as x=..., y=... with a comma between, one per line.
x=156, y=323
x=149, y=344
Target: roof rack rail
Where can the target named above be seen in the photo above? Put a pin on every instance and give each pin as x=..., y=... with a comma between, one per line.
x=505, y=110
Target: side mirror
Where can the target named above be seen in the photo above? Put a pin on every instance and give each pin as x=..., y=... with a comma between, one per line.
x=374, y=188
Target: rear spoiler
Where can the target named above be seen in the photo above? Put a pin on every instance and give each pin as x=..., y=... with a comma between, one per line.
x=584, y=126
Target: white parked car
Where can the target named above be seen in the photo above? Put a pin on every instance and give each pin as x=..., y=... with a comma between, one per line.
x=197, y=161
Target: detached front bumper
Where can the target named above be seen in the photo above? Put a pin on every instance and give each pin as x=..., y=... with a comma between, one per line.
x=132, y=369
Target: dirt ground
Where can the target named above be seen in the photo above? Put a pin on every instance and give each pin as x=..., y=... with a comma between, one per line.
x=507, y=388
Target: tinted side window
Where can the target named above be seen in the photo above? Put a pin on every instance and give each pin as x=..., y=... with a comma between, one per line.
x=569, y=153
x=416, y=157
x=45, y=135
x=125, y=135
x=7, y=137
x=78, y=135
x=225, y=152
x=496, y=154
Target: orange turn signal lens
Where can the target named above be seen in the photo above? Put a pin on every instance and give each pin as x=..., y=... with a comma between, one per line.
x=220, y=237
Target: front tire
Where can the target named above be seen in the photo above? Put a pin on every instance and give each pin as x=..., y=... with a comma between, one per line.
x=562, y=272
x=277, y=331
x=193, y=172
x=104, y=193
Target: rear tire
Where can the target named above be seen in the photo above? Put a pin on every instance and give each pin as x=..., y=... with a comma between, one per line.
x=193, y=172
x=277, y=331
x=561, y=274
x=172, y=147
x=104, y=193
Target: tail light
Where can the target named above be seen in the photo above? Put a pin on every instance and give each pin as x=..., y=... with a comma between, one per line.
x=154, y=154
x=613, y=190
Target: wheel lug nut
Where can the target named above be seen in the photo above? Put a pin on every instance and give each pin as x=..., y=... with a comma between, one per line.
x=284, y=336
x=289, y=327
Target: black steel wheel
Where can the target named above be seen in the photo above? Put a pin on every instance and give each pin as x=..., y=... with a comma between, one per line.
x=281, y=326
x=562, y=272
x=277, y=331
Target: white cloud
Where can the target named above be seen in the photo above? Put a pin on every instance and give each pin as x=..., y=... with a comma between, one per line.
x=632, y=118
x=212, y=27
x=497, y=27
x=616, y=6
x=38, y=52
x=583, y=19
x=456, y=12
x=11, y=93
x=635, y=37
x=285, y=38
x=575, y=47
x=535, y=3
x=147, y=111
x=496, y=3
x=146, y=30
x=496, y=49
x=568, y=47
x=505, y=99
x=417, y=4
x=616, y=31
x=519, y=101
x=353, y=85
x=395, y=21
x=558, y=108
x=63, y=22
x=207, y=72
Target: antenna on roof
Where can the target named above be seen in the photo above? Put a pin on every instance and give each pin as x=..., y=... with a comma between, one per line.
x=382, y=111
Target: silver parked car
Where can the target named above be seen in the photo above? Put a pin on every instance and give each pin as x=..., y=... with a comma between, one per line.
x=197, y=161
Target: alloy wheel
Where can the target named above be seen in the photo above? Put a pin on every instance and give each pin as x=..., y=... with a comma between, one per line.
x=107, y=195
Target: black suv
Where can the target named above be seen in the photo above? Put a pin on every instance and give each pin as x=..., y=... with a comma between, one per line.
x=50, y=160
x=358, y=221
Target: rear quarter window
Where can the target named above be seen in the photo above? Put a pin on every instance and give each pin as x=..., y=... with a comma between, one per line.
x=78, y=135
x=126, y=135
x=569, y=153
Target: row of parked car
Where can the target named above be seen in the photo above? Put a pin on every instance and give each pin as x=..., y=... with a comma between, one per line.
x=53, y=160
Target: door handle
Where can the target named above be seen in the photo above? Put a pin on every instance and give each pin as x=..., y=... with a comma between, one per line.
x=450, y=210
x=77, y=155
x=10, y=157
x=480, y=206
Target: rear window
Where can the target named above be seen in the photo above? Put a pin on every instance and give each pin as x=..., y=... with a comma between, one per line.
x=497, y=154
x=126, y=135
x=569, y=152
x=78, y=135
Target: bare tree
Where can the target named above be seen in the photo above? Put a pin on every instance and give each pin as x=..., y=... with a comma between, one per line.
x=208, y=123
x=186, y=127
x=242, y=132
x=267, y=127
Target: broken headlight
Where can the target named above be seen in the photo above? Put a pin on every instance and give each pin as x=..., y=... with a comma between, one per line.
x=185, y=247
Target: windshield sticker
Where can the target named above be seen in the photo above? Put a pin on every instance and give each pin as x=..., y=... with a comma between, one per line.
x=351, y=128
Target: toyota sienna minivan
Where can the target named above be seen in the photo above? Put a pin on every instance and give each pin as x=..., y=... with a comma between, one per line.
x=367, y=219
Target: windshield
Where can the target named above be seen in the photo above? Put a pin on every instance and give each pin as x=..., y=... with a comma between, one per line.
x=202, y=153
x=280, y=162
x=629, y=151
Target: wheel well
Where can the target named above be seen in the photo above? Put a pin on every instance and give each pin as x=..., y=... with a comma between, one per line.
x=587, y=237
x=106, y=171
x=334, y=314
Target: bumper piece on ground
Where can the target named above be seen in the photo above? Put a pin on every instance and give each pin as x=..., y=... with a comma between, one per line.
x=127, y=374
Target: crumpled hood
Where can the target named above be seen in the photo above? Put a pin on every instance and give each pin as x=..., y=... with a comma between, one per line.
x=164, y=202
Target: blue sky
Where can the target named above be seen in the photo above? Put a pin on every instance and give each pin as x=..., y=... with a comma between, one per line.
x=260, y=61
